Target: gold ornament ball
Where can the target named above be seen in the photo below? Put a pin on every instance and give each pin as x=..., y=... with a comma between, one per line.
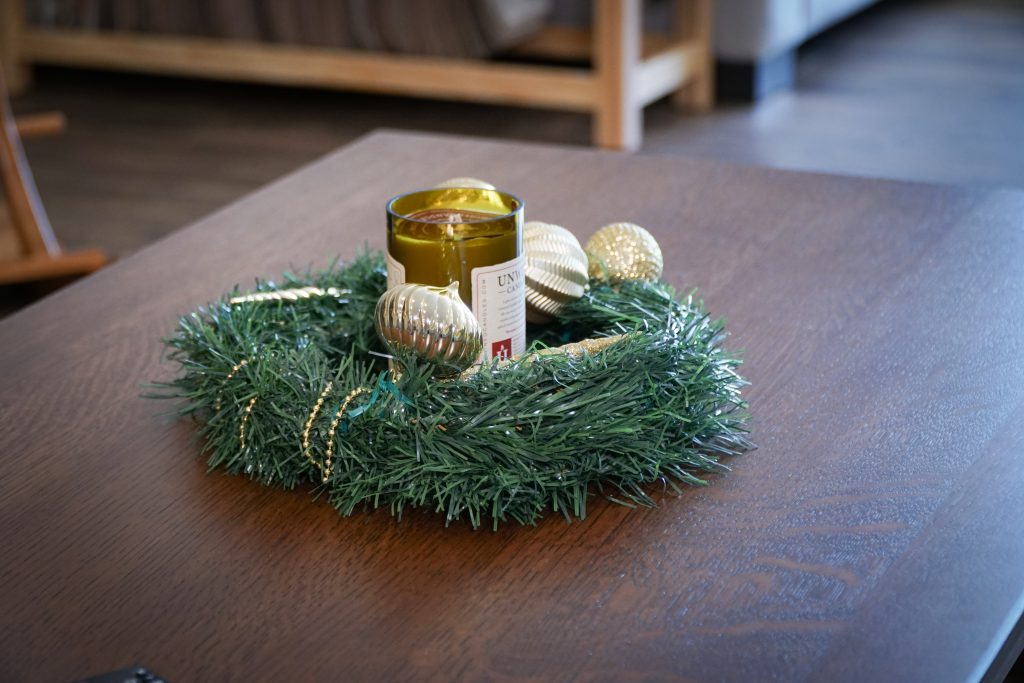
x=556, y=269
x=431, y=322
x=466, y=181
x=624, y=251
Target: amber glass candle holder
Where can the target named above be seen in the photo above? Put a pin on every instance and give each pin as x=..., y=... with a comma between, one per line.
x=470, y=236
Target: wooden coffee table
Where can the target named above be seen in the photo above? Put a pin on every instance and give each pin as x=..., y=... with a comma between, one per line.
x=877, y=534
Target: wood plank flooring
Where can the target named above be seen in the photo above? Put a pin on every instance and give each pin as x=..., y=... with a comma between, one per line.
x=927, y=90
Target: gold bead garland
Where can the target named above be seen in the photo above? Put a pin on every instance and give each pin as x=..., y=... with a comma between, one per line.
x=308, y=427
x=220, y=394
x=328, y=464
x=326, y=467
x=245, y=419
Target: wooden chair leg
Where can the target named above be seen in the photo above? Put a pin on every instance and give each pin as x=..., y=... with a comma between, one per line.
x=41, y=125
x=693, y=24
x=12, y=25
x=618, y=30
x=27, y=212
x=34, y=254
x=64, y=265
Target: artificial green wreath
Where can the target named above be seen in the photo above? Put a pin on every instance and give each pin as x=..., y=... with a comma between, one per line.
x=292, y=392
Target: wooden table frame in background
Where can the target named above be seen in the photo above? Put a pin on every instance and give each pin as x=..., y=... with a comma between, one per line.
x=630, y=69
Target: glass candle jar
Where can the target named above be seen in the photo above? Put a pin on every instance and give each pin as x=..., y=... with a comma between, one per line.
x=471, y=236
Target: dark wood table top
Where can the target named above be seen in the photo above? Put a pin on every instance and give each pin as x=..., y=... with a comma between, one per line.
x=877, y=534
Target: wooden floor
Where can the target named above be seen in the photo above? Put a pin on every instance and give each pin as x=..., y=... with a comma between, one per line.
x=916, y=89
x=923, y=90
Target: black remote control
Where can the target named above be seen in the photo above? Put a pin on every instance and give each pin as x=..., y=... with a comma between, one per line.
x=133, y=674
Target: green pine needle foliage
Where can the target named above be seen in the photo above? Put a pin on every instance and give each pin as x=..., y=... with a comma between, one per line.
x=509, y=442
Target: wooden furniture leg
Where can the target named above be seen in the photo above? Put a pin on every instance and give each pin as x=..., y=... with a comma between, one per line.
x=40, y=125
x=693, y=26
x=12, y=27
x=633, y=69
x=36, y=253
x=618, y=116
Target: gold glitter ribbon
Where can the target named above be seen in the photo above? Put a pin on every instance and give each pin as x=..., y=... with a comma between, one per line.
x=289, y=295
x=577, y=349
x=573, y=350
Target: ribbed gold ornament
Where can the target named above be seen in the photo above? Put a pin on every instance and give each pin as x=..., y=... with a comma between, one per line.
x=556, y=269
x=432, y=322
x=624, y=251
x=466, y=181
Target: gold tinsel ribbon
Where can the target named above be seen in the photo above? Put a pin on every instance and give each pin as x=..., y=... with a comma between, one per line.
x=289, y=295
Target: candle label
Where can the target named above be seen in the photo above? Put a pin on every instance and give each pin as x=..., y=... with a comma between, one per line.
x=499, y=304
x=396, y=271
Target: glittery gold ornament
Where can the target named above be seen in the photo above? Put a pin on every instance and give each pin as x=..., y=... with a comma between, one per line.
x=466, y=181
x=556, y=269
x=432, y=322
x=624, y=251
